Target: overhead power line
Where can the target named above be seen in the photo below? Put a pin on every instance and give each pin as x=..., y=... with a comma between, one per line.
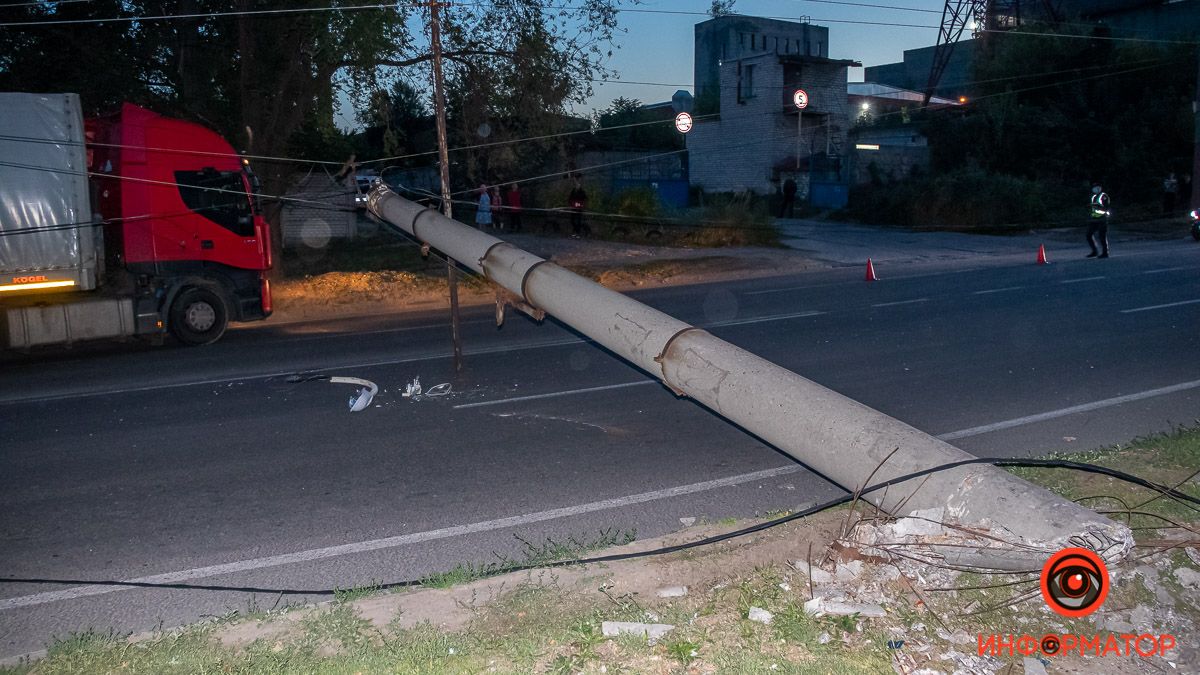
x=393, y=5
x=208, y=15
x=1074, y=36
x=867, y=4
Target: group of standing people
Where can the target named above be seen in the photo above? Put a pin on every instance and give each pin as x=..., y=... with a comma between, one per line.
x=501, y=210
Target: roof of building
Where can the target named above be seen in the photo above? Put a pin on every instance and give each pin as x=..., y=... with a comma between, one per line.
x=804, y=58
x=877, y=90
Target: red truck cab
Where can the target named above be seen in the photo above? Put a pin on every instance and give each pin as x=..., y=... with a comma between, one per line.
x=181, y=215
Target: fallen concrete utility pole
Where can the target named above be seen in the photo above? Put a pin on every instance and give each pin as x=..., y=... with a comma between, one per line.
x=843, y=440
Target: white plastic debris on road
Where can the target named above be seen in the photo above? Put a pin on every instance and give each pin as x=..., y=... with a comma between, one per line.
x=360, y=401
x=413, y=390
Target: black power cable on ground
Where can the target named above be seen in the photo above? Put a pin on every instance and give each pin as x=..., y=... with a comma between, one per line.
x=1164, y=490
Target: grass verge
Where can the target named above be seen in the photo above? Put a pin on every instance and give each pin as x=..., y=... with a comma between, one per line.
x=554, y=625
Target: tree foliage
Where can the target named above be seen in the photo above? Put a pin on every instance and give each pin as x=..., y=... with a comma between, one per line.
x=1065, y=111
x=276, y=69
x=635, y=128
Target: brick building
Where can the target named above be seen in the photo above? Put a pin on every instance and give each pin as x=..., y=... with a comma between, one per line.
x=745, y=135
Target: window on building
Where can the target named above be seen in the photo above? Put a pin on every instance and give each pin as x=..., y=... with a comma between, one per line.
x=745, y=83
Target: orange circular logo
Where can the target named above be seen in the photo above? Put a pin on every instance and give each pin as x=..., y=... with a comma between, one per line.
x=1074, y=582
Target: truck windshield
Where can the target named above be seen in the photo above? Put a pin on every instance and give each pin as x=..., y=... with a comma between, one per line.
x=219, y=196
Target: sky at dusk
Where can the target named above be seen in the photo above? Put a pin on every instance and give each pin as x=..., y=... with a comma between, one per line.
x=655, y=42
x=658, y=47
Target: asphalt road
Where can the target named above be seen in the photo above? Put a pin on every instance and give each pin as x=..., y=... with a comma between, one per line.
x=205, y=467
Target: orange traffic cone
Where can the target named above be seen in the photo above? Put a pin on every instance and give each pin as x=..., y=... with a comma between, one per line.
x=871, y=271
x=1042, y=255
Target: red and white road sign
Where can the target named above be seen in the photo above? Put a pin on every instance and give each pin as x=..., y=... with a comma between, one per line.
x=683, y=122
x=800, y=98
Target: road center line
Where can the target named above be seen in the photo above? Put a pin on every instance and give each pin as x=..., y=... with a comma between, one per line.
x=383, y=331
x=310, y=555
x=998, y=290
x=1063, y=412
x=763, y=319
x=252, y=377
x=1169, y=304
x=901, y=302
x=555, y=394
x=1168, y=269
x=1076, y=281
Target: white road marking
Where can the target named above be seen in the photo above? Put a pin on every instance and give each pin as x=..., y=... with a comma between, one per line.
x=1076, y=281
x=1062, y=412
x=1169, y=269
x=310, y=555
x=901, y=302
x=1169, y=304
x=252, y=377
x=998, y=290
x=555, y=394
x=327, y=335
x=762, y=319
x=266, y=376
x=856, y=282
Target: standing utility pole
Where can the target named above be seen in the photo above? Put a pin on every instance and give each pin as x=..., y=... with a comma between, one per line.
x=439, y=107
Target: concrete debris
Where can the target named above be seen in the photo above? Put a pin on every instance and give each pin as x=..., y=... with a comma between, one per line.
x=672, y=592
x=1188, y=578
x=967, y=664
x=823, y=639
x=1117, y=625
x=925, y=523
x=820, y=606
x=818, y=575
x=651, y=631
x=960, y=637
x=888, y=573
x=687, y=522
x=1034, y=666
x=760, y=615
x=1192, y=554
x=785, y=586
x=1141, y=617
x=848, y=571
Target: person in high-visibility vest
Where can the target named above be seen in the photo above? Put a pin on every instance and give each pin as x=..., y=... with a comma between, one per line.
x=1101, y=212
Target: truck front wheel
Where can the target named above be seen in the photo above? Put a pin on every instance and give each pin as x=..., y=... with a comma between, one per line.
x=198, y=316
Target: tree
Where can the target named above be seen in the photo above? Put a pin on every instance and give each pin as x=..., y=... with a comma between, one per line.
x=633, y=127
x=721, y=8
x=243, y=64
x=110, y=66
x=1064, y=112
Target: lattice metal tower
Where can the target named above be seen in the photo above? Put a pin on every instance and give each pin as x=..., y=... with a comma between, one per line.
x=980, y=17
